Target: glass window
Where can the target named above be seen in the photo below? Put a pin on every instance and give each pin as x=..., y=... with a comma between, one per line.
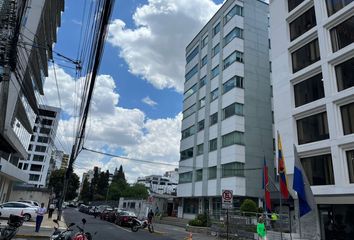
x=212, y=173
x=215, y=71
x=233, y=57
x=35, y=129
x=204, y=60
x=348, y=118
x=213, y=119
x=214, y=94
x=198, y=175
x=236, y=10
x=188, y=153
x=334, y=6
x=236, y=32
x=25, y=166
x=191, y=205
x=200, y=149
x=318, y=169
x=43, y=139
x=47, y=122
x=302, y=24
x=185, y=177
x=213, y=144
x=293, y=4
x=305, y=56
x=345, y=74
x=234, y=169
x=36, y=167
x=309, y=90
x=38, y=158
x=41, y=148
x=44, y=130
x=205, y=41
x=343, y=34
x=235, y=137
x=216, y=29
x=350, y=161
x=189, y=111
x=215, y=50
x=30, y=147
x=313, y=128
x=201, y=102
x=190, y=91
x=20, y=165
x=33, y=138
x=47, y=113
x=201, y=125
x=192, y=54
x=188, y=132
x=191, y=72
x=202, y=81
x=235, y=81
x=33, y=177
x=233, y=109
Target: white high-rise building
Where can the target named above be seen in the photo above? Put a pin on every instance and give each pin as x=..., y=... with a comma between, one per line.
x=41, y=146
x=227, y=114
x=313, y=79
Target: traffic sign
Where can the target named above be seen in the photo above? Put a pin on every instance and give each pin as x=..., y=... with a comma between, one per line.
x=227, y=199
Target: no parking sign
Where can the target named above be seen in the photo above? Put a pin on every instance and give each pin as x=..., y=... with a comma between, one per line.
x=227, y=199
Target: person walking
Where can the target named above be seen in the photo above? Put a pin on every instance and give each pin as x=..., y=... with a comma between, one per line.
x=40, y=213
x=261, y=229
x=150, y=216
x=51, y=210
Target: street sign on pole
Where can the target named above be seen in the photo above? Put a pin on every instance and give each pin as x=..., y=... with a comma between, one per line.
x=227, y=199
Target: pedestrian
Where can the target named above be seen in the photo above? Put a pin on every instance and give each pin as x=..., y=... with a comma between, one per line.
x=40, y=213
x=274, y=218
x=157, y=210
x=51, y=210
x=261, y=229
x=150, y=216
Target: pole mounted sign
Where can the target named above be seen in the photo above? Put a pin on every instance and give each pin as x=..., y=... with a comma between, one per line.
x=227, y=199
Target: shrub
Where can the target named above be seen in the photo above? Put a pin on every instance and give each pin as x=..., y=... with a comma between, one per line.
x=201, y=220
x=195, y=222
x=249, y=207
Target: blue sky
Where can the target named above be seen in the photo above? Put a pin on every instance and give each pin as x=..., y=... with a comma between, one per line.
x=143, y=59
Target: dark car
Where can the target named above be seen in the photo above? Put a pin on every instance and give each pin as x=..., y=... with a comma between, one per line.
x=105, y=215
x=124, y=218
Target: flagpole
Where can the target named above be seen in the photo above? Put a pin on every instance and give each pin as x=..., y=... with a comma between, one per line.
x=298, y=204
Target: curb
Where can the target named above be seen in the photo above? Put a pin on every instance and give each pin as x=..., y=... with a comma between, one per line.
x=31, y=236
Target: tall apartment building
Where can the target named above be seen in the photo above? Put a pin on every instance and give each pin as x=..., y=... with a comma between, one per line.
x=313, y=79
x=57, y=156
x=23, y=69
x=227, y=115
x=65, y=161
x=41, y=146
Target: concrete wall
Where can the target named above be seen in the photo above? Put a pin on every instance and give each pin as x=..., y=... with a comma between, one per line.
x=39, y=196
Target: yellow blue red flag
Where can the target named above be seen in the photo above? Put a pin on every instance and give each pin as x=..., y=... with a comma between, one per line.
x=282, y=171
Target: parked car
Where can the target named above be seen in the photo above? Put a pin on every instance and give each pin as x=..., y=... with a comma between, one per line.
x=34, y=203
x=84, y=209
x=105, y=215
x=113, y=215
x=124, y=218
x=27, y=210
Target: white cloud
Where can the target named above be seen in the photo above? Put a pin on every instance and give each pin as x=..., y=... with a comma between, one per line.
x=149, y=101
x=155, y=49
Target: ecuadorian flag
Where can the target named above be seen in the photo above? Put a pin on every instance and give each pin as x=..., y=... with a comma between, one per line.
x=282, y=171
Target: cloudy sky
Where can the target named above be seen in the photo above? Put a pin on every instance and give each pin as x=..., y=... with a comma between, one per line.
x=137, y=103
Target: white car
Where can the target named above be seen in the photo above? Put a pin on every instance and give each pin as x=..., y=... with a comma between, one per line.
x=27, y=210
x=34, y=203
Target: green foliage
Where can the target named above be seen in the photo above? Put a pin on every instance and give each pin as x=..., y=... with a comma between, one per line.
x=260, y=210
x=116, y=189
x=201, y=220
x=56, y=182
x=138, y=191
x=195, y=222
x=85, y=191
x=249, y=207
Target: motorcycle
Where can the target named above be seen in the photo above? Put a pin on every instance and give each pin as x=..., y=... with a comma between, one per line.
x=62, y=235
x=13, y=224
x=82, y=235
x=137, y=224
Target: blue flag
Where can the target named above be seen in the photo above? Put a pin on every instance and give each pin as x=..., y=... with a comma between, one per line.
x=302, y=187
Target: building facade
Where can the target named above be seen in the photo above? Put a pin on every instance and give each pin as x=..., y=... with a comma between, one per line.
x=166, y=184
x=23, y=69
x=41, y=146
x=313, y=66
x=65, y=161
x=227, y=115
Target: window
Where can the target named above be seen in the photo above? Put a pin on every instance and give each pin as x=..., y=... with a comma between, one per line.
x=47, y=113
x=204, y=60
x=200, y=149
x=345, y=74
x=43, y=139
x=33, y=138
x=235, y=137
x=302, y=24
x=20, y=165
x=293, y=4
x=185, y=177
x=309, y=90
x=202, y=81
x=213, y=119
x=47, y=122
x=37, y=119
x=305, y=56
x=235, y=81
x=201, y=102
x=188, y=132
x=198, y=175
x=30, y=147
x=192, y=54
x=215, y=50
x=233, y=57
x=212, y=173
x=33, y=177
x=191, y=72
x=213, y=144
x=189, y=111
x=205, y=41
x=343, y=34
x=215, y=72
x=45, y=130
x=41, y=148
x=25, y=166
x=132, y=205
x=38, y=158
x=191, y=91
x=188, y=153
x=334, y=6
x=191, y=205
x=348, y=118
x=318, y=169
x=233, y=109
x=236, y=32
x=236, y=10
x=216, y=29
x=201, y=125
x=313, y=128
x=214, y=94
x=234, y=169
x=36, y=167
x=35, y=129
x=350, y=162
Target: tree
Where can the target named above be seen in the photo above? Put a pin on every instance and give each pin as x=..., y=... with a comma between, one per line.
x=85, y=191
x=56, y=182
x=138, y=191
x=249, y=207
x=102, y=185
x=116, y=189
x=119, y=174
x=94, y=182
